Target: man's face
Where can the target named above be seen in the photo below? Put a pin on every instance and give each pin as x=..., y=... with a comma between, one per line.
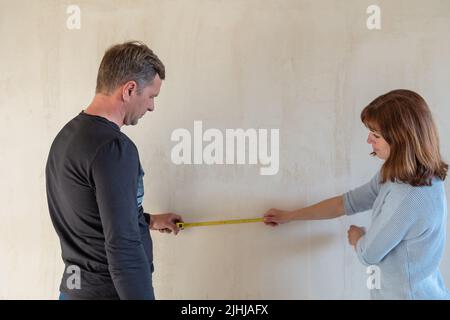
x=139, y=104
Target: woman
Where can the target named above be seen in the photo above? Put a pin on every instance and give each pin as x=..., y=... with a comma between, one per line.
x=406, y=237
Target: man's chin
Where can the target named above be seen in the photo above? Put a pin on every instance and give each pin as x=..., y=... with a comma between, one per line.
x=131, y=122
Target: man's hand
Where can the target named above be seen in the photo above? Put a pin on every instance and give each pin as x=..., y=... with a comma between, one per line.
x=165, y=222
x=354, y=233
x=274, y=217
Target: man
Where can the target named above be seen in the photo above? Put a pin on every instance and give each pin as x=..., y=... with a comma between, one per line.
x=95, y=184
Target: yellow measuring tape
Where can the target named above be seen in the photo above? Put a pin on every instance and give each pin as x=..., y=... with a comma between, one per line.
x=183, y=225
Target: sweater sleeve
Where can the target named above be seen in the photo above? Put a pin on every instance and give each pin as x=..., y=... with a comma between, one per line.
x=390, y=227
x=363, y=197
x=115, y=174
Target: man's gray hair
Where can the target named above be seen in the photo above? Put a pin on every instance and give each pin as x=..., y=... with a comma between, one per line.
x=125, y=62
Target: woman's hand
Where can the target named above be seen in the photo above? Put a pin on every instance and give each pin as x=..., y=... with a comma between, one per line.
x=274, y=217
x=354, y=233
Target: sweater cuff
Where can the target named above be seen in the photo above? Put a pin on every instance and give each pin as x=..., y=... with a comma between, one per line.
x=348, y=210
x=360, y=252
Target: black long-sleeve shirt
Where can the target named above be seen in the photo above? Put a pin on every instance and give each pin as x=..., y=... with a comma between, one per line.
x=94, y=193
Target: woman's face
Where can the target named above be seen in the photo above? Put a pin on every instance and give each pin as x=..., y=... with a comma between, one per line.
x=379, y=145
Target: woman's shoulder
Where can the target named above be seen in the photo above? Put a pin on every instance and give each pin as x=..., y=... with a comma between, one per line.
x=405, y=190
x=418, y=196
x=436, y=183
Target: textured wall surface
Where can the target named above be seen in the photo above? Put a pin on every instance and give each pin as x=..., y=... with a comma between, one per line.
x=305, y=67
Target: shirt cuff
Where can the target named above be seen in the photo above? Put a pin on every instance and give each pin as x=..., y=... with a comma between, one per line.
x=147, y=218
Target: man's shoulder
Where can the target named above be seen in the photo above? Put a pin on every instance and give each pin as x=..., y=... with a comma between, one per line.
x=91, y=130
x=85, y=136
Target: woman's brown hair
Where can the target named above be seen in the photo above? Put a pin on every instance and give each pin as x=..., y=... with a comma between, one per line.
x=404, y=120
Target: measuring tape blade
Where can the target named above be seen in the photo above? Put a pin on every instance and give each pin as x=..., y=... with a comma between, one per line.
x=183, y=225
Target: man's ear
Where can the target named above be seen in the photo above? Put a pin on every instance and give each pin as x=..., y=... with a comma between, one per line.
x=129, y=89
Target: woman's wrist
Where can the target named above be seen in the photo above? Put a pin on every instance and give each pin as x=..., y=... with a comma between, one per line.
x=293, y=215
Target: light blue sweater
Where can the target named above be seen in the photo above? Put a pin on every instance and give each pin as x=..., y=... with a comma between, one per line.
x=406, y=237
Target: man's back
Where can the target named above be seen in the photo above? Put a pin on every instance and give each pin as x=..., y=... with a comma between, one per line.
x=92, y=178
